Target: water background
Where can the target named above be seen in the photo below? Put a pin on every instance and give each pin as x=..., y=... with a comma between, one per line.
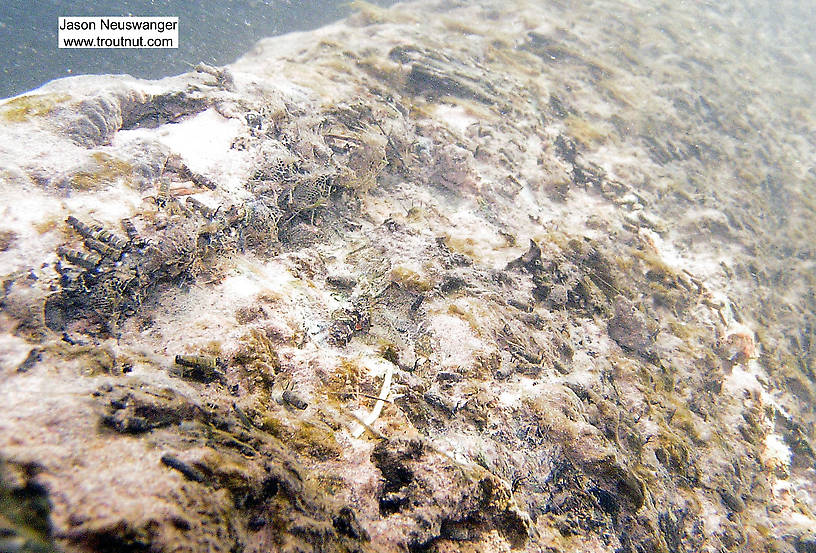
x=213, y=32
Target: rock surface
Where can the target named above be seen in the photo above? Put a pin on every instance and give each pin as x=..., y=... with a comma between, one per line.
x=434, y=278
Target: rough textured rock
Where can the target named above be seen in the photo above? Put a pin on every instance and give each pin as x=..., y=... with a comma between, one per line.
x=435, y=278
x=629, y=327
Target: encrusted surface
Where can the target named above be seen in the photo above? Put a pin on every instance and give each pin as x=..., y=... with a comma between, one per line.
x=434, y=278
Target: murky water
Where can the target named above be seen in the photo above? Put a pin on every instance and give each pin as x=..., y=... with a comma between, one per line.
x=215, y=33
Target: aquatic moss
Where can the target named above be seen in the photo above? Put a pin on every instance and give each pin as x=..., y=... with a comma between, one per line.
x=229, y=470
x=671, y=298
x=463, y=245
x=371, y=14
x=389, y=352
x=471, y=107
x=656, y=269
x=460, y=26
x=410, y=279
x=330, y=484
x=599, y=271
x=419, y=108
x=350, y=378
x=382, y=69
x=625, y=263
x=501, y=53
x=674, y=455
x=336, y=57
x=212, y=348
x=593, y=296
x=795, y=381
x=274, y=426
x=47, y=224
x=753, y=431
x=7, y=238
x=464, y=314
x=29, y=106
x=104, y=170
x=269, y=297
x=583, y=131
x=259, y=359
x=682, y=419
x=316, y=441
x=256, y=349
x=94, y=360
x=313, y=439
x=692, y=335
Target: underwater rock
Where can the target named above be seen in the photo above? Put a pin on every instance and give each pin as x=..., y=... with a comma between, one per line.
x=629, y=327
x=432, y=498
x=25, y=509
x=439, y=277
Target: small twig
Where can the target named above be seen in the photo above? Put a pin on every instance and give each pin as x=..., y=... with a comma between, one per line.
x=365, y=426
x=375, y=413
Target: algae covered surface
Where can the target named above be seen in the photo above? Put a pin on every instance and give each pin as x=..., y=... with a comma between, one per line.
x=440, y=277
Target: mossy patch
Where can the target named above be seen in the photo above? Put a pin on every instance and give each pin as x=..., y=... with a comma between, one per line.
x=583, y=131
x=599, y=270
x=316, y=440
x=466, y=315
x=94, y=360
x=381, y=69
x=26, y=107
x=367, y=13
x=691, y=334
x=313, y=439
x=349, y=379
x=467, y=246
x=7, y=239
x=682, y=419
x=212, y=348
x=331, y=484
x=389, y=352
x=259, y=359
x=458, y=25
x=103, y=170
x=675, y=456
x=670, y=298
x=48, y=224
x=410, y=279
x=658, y=269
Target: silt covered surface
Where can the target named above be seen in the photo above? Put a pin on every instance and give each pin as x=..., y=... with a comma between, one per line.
x=434, y=278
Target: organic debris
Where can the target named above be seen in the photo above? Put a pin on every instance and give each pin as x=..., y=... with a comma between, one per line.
x=497, y=281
